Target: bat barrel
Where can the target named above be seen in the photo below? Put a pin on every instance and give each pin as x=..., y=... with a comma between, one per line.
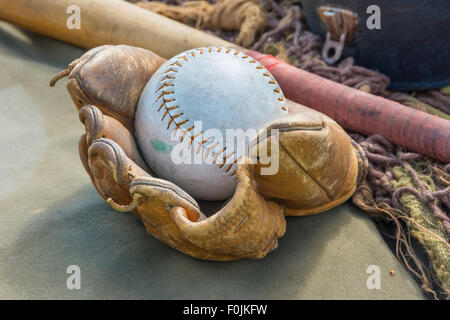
x=106, y=22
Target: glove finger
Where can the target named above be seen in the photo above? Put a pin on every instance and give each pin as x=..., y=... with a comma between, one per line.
x=170, y=195
x=83, y=151
x=112, y=78
x=112, y=170
x=101, y=126
x=318, y=166
x=153, y=199
x=247, y=226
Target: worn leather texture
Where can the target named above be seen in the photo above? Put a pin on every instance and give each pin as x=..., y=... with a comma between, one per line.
x=248, y=226
x=318, y=166
x=110, y=96
x=52, y=217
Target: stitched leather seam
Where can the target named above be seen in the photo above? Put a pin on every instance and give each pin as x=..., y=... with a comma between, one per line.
x=95, y=102
x=329, y=198
x=240, y=224
x=77, y=74
x=161, y=185
x=286, y=129
x=117, y=156
x=94, y=131
x=84, y=90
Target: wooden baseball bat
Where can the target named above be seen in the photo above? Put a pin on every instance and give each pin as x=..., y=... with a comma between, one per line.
x=119, y=22
x=106, y=22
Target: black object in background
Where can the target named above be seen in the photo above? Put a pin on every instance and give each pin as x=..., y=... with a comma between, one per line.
x=412, y=47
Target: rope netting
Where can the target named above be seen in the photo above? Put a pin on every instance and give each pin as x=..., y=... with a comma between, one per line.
x=407, y=194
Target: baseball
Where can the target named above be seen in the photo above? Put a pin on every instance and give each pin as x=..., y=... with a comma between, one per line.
x=190, y=105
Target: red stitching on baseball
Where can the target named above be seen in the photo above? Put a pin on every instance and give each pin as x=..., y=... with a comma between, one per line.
x=170, y=70
x=179, y=124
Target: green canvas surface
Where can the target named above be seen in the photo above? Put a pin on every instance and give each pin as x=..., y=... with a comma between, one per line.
x=51, y=217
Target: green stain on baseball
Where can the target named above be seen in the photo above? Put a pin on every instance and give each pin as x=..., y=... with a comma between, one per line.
x=161, y=146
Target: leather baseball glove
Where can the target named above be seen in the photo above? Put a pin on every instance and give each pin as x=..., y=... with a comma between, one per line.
x=318, y=166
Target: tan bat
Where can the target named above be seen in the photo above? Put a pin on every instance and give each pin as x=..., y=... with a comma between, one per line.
x=106, y=22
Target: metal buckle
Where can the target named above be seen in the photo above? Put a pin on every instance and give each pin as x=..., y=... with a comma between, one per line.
x=341, y=26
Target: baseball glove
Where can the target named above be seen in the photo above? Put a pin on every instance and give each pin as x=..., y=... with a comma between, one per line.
x=318, y=166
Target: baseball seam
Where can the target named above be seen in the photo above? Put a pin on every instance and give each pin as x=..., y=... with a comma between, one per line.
x=167, y=88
